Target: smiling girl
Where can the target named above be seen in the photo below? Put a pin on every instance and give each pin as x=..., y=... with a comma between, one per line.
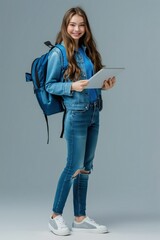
x=82, y=117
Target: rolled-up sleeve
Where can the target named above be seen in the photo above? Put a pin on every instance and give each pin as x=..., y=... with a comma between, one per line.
x=54, y=74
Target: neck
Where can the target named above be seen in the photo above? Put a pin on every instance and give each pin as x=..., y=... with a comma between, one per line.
x=77, y=44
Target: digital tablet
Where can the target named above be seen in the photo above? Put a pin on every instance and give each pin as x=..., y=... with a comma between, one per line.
x=96, y=81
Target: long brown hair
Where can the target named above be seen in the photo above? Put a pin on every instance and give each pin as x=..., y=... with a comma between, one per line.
x=73, y=71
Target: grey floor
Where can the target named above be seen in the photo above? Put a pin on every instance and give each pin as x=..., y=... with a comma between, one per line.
x=25, y=219
x=138, y=230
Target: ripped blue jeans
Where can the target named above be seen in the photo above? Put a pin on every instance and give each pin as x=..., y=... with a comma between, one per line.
x=81, y=134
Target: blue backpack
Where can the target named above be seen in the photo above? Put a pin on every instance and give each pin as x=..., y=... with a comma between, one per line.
x=49, y=103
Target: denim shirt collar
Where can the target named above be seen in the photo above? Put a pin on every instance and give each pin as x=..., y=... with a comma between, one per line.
x=83, y=47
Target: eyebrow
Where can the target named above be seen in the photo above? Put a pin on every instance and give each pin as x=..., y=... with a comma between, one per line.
x=79, y=23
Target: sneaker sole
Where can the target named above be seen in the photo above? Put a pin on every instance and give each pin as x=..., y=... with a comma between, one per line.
x=90, y=230
x=59, y=233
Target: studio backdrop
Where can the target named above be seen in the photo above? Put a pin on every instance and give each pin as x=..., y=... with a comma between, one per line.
x=126, y=174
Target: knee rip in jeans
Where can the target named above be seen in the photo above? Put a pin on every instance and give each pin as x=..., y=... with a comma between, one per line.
x=80, y=171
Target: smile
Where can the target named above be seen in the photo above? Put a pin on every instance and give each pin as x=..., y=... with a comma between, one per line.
x=76, y=34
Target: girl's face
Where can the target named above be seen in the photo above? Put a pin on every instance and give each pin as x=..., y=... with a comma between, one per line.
x=76, y=27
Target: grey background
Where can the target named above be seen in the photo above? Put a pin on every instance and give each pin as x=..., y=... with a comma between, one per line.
x=125, y=180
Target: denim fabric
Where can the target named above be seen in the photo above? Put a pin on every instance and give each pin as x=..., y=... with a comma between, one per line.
x=89, y=73
x=80, y=130
x=81, y=133
x=55, y=83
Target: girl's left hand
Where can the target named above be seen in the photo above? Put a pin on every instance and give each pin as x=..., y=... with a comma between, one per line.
x=109, y=83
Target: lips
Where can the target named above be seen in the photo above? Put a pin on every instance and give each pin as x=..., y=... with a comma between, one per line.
x=76, y=34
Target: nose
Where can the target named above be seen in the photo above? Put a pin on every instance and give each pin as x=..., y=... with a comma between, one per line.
x=77, y=28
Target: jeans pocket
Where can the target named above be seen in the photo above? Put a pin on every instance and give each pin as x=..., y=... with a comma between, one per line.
x=79, y=112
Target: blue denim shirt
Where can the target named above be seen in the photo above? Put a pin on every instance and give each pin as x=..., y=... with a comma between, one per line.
x=56, y=84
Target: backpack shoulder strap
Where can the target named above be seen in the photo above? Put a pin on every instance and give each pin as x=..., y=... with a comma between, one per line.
x=63, y=51
x=65, y=65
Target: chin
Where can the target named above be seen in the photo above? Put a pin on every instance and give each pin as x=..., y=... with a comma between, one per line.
x=76, y=38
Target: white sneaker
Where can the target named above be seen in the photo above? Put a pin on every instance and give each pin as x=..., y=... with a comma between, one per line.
x=88, y=225
x=57, y=226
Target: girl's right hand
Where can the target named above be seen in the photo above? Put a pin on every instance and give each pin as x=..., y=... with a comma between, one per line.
x=79, y=85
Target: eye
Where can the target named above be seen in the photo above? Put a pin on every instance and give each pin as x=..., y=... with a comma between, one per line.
x=72, y=24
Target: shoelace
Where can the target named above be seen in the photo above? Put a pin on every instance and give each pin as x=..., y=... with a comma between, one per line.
x=93, y=221
x=61, y=222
